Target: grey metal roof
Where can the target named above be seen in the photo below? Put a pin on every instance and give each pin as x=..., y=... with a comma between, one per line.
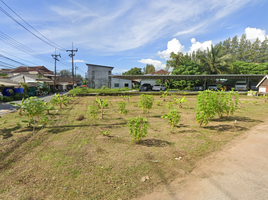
x=192, y=77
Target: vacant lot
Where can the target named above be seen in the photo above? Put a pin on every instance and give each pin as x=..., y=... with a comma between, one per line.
x=70, y=159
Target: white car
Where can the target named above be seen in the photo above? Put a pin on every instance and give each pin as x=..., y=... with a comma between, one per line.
x=213, y=87
x=159, y=88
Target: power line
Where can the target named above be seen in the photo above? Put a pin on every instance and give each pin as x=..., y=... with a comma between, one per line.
x=50, y=43
x=10, y=59
x=17, y=57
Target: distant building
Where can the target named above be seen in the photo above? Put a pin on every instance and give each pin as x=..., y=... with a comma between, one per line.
x=31, y=70
x=120, y=83
x=98, y=76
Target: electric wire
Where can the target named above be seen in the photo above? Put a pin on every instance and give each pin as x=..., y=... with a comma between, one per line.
x=50, y=43
x=12, y=60
x=18, y=57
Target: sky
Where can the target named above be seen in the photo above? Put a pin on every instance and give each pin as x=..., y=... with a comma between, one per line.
x=118, y=33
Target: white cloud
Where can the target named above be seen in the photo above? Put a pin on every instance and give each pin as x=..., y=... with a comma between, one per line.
x=198, y=45
x=156, y=63
x=173, y=45
x=254, y=33
x=77, y=61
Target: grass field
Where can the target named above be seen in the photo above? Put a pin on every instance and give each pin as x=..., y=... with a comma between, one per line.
x=70, y=159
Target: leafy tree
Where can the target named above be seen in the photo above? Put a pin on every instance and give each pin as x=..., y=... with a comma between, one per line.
x=79, y=76
x=250, y=68
x=133, y=71
x=65, y=72
x=149, y=69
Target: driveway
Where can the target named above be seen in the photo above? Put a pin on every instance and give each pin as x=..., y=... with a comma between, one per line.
x=240, y=171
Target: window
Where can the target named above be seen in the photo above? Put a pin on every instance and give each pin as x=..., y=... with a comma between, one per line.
x=116, y=85
x=126, y=85
x=93, y=74
x=93, y=84
x=109, y=84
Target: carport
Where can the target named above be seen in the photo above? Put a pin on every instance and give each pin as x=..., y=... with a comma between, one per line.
x=205, y=78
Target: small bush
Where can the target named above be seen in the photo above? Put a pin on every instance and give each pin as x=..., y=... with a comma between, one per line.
x=18, y=96
x=137, y=128
x=7, y=99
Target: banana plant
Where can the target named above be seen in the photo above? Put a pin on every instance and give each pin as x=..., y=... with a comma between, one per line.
x=20, y=106
x=102, y=104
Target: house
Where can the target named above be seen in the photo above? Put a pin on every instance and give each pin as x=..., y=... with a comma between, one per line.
x=7, y=83
x=65, y=83
x=154, y=81
x=120, y=83
x=32, y=70
x=27, y=78
x=263, y=85
x=99, y=75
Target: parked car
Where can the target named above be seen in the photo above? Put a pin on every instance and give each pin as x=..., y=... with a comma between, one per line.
x=253, y=87
x=159, y=87
x=198, y=87
x=145, y=87
x=213, y=87
x=241, y=85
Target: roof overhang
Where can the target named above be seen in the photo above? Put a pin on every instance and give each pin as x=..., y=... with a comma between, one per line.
x=191, y=77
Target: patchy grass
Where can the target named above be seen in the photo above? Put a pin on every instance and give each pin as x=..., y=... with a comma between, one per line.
x=70, y=159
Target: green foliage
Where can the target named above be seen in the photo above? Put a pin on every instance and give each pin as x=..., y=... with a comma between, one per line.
x=169, y=105
x=105, y=133
x=126, y=97
x=60, y=100
x=241, y=67
x=93, y=111
x=18, y=96
x=146, y=102
x=48, y=107
x=84, y=90
x=7, y=99
x=210, y=103
x=149, y=68
x=102, y=104
x=158, y=103
x=34, y=109
x=10, y=92
x=179, y=101
x=122, y=107
x=133, y=71
x=173, y=117
x=19, y=105
x=137, y=128
x=164, y=95
x=25, y=87
x=252, y=93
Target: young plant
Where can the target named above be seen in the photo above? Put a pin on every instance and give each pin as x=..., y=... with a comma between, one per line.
x=60, y=100
x=19, y=105
x=173, y=117
x=146, y=102
x=102, y=104
x=158, y=103
x=252, y=93
x=105, y=133
x=34, y=109
x=126, y=97
x=137, y=128
x=164, y=95
x=48, y=107
x=93, y=111
x=169, y=105
x=122, y=107
x=179, y=101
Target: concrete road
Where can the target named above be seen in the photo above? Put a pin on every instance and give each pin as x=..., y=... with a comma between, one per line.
x=240, y=171
x=6, y=107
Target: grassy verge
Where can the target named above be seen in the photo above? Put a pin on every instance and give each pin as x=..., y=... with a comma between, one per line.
x=70, y=159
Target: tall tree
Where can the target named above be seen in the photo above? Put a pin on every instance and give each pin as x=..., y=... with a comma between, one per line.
x=65, y=72
x=149, y=68
x=133, y=71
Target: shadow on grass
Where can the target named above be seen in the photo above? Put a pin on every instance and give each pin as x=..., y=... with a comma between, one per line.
x=154, y=143
x=226, y=128
x=237, y=118
x=6, y=132
x=187, y=131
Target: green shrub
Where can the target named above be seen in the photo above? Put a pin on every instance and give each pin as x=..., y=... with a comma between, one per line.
x=137, y=128
x=122, y=107
x=18, y=96
x=146, y=102
x=173, y=117
x=7, y=99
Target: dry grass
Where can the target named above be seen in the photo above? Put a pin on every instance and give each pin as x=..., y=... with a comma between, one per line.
x=70, y=159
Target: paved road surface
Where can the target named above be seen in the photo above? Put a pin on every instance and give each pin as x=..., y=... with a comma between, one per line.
x=240, y=171
x=7, y=107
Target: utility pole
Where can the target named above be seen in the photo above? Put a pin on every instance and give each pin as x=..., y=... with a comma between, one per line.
x=55, y=57
x=72, y=56
x=75, y=70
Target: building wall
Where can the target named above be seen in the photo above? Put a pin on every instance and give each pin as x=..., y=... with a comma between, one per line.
x=120, y=83
x=98, y=76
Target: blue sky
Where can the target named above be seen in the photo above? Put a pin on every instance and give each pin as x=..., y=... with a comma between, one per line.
x=125, y=34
